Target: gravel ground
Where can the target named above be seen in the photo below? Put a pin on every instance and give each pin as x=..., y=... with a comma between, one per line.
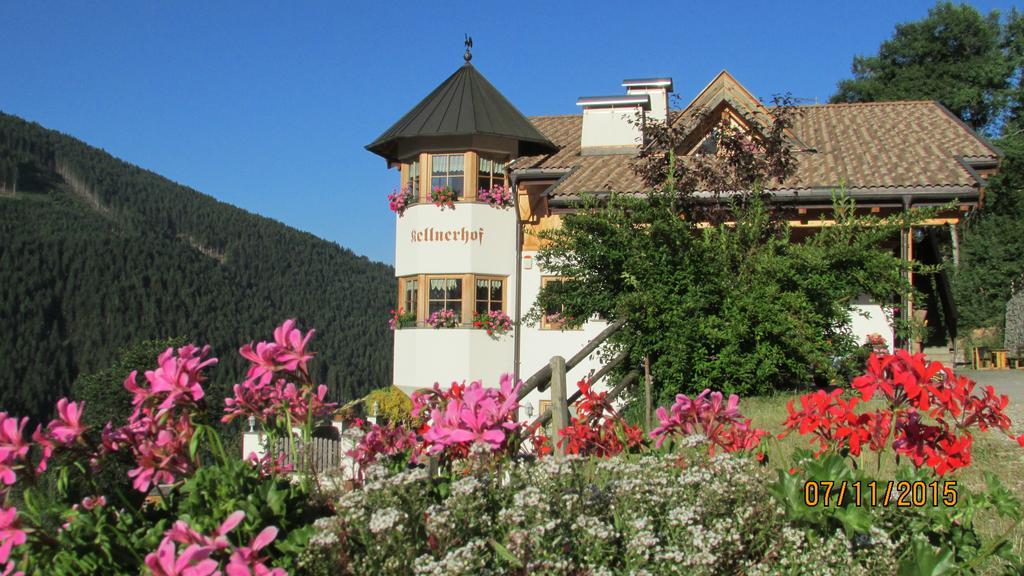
x=1009, y=382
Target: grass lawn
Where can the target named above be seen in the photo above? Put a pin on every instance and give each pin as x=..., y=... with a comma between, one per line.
x=992, y=452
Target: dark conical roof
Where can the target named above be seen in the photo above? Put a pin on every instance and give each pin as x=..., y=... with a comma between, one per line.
x=463, y=105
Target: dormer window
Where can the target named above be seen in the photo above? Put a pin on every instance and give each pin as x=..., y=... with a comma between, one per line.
x=448, y=170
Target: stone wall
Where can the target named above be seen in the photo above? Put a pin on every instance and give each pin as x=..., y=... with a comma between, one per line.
x=1014, y=334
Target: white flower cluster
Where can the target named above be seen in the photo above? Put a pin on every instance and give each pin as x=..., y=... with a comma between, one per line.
x=626, y=515
x=468, y=560
x=387, y=519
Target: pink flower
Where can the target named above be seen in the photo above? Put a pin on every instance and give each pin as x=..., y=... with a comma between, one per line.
x=270, y=465
x=179, y=376
x=292, y=354
x=711, y=415
x=67, y=427
x=245, y=560
x=11, y=534
x=45, y=445
x=160, y=427
x=13, y=448
x=263, y=359
x=9, y=570
x=161, y=451
x=12, y=435
x=177, y=380
x=287, y=353
x=194, y=561
x=90, y=502
x=182, y=533
x=477, y=415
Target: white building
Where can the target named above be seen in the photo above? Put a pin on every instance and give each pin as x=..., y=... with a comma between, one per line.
x=474, y=257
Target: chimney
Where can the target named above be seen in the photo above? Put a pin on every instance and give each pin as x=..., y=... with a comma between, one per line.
x=610, y=123
x=657, y=89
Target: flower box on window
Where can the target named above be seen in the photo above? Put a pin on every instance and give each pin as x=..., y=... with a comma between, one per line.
x=443, y=318
x=555, y=321
x=494, y=322
x=497, y=196
x=443, y=197
x=399, y=200
x=400, y=319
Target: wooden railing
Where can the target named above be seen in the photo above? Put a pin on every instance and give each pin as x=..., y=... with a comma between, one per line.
x=554, y=375
x=541, y=379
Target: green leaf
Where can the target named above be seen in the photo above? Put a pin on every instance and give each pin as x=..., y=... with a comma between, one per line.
x=504, y=553
x=1000, y=498
x=276, y=500
x=923, y=560
x=193, y=444
x=854, y=518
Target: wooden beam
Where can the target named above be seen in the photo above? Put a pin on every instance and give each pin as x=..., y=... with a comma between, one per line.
x=559, y=403
x=825, y=223
x=545, y=416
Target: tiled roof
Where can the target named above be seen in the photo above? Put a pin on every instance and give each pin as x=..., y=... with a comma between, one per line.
x=885, y=146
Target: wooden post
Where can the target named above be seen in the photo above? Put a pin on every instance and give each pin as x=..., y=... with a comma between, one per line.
x=648, y=400
x=956, y=245
x=559, y=405
x=910, y=278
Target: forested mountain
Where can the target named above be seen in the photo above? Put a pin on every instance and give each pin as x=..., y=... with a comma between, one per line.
x=97, y=254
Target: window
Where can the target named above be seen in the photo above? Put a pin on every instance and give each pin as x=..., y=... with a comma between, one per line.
x=490, y=295
x=410, y=302
x=424, y=294
x=445, y=293
x=448, y=170
x=412, y=179
x=554, y=316
x=709, y=145
x=492, y=173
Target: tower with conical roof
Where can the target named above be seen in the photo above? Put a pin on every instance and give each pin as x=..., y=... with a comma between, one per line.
x=456, y=229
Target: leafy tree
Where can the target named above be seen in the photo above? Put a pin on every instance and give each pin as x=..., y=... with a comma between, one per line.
x=104, y=393
x=738, y=306
x=972, y=63
x=993, y=241
x=715, y=291
x=955, y=55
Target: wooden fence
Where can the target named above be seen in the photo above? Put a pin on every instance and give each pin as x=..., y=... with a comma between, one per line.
x=321, y=454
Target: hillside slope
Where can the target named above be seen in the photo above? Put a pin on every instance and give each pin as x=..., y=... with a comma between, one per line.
x=97, y=254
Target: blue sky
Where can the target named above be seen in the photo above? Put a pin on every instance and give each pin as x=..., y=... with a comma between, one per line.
x=267, y=105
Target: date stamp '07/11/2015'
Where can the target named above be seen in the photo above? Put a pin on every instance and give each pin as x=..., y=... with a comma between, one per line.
x=902, y=493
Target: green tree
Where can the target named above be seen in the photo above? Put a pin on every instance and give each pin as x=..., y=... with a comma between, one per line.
x=955, y=55
x=971, y=63
x=105, y=396
x=737, y=306
x=98, y=254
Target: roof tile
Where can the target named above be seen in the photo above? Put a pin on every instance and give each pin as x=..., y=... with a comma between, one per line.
x=896, y=145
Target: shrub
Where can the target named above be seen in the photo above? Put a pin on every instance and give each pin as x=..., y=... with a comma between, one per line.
x=390, y=403
x=194, y=499
x=737, y=307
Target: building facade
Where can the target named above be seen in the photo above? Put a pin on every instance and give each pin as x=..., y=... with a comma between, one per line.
x=461, y=253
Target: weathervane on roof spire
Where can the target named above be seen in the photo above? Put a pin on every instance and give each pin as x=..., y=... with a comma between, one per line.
x=469, y=46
